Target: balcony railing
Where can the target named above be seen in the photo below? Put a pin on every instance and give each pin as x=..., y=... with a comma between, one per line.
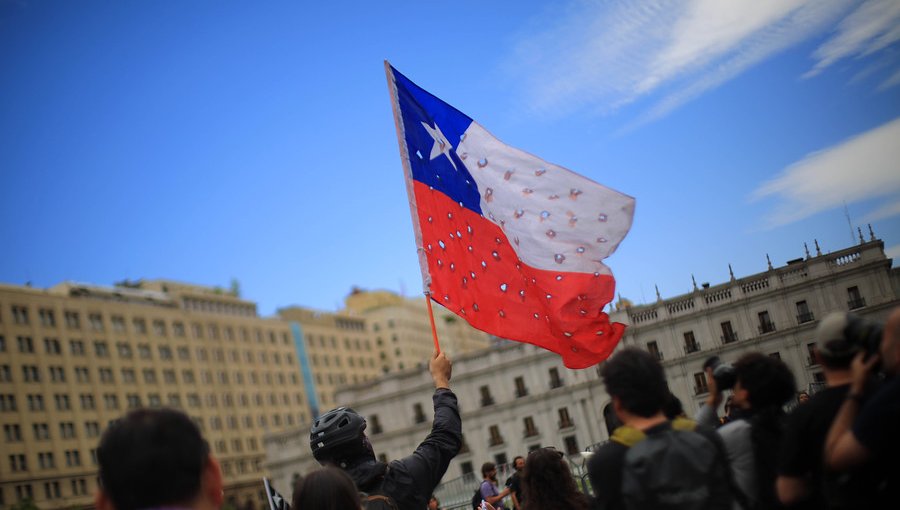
x=487, y=401
x=730, y=337
x=692, y=347
x=700, y=390
x=856, y=303
x=565, y=424
x=530, y=432
x=496, y=441
x=811, y=361
x=556, y=383
x=766, y=327
x=805, y=317
x=521, y=393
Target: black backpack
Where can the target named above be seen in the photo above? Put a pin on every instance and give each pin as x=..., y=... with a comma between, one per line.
x=476, y=499
x=675, y=469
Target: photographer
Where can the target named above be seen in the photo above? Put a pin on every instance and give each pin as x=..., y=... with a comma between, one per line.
x=862, y=434
x=803, y=481
x=762, y=385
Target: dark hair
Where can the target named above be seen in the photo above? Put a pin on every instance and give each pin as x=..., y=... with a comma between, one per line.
x=637, y=379
x=487, y=466
x=515, y=459
x=328, y=488
x=768, y=381
x=769, y=384
x=548, y=484
x=673, y=408
x=152, y=458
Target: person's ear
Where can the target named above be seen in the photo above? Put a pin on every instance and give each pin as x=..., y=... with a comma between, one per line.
x=213, y=485
x=102, y=501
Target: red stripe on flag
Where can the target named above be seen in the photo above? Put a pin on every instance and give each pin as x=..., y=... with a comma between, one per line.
x=476, y=274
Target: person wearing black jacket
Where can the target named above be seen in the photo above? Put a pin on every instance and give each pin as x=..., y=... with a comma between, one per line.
x=338, y=438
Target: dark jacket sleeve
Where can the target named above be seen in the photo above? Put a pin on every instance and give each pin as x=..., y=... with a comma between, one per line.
x=423, y=470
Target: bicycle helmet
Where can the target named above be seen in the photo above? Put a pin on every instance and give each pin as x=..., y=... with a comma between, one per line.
x=337, y=436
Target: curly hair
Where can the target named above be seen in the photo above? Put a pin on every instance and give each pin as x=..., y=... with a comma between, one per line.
x=548, y=484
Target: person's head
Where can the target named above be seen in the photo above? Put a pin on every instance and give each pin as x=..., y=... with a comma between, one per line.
x=890, y=343
x=433, y=503
x=763, y=382
x=802, y=397
x=547, y=481
x=326, y=489
x=635, y=380
x=155, y=458
x=519, y=463
x=833, y=349
x=489, y=471
x=673, y=408
x=338, y=438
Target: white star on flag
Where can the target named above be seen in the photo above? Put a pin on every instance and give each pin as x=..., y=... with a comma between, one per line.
x=441, y=144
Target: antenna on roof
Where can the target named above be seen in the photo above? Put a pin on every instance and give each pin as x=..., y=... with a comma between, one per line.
x=849, y=224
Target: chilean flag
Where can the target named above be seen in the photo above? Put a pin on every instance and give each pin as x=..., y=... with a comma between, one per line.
x=511, y=243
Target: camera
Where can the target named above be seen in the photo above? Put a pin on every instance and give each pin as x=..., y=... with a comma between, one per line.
x=723, y=373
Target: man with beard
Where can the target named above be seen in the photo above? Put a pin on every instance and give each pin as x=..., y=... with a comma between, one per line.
x=338, y=438
x=489, y=490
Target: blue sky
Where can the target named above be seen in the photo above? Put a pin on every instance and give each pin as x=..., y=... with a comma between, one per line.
x=209, y=140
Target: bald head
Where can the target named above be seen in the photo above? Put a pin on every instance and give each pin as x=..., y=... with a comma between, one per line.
x=890, y=343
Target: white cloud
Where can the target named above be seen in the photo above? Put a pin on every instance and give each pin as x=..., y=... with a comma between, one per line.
x=887, y=210
x=892, y=252
x=606, y=54
x=860, y=168
x=891, y=81
x=873, y=26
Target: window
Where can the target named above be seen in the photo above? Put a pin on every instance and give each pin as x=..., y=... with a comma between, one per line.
x=30, y=373
x=174, y=400
x=51, y=490
x=486, y=398
x=811, y=351
x=197, y=330
x=62, y=402
x=106, y=375
x=187, y=376
x=178, y=329
x=45, y=460
x=690, y=343
x=87, y=401
x=159, y=328
x=57, y=374
x=376, y=424
x=17, y=462
x=765, y=323
x=72, y=319
x=728, y=334
x=82, y=375
x=76, y=347
x=24, y=491
x=20, y=314
x=111, y=401
x=565, y=421
x=184, y=353
x=128, y=376
x=140, y=326
x=854, y=299
x=51, y=346
x=96, y=322
x=79, y=487
x=41, y=431
x=530, y=428
x=5, y=373
x=571, y=443
x=25, y=344
x=169, y=376
x=124, y=350
x=154, y=400
x=653, y=348
x=418, y=413
x=776, y=355
x=134, y=400
x=165, y=352
x=496, y=438
x=8, y=403
x=804, y=314
x=500, y=459
x=73, y=458
x=700, y=386
x=2, y=343
x=12, y=433
x=466, y=468
x=149, y=376
x=92, y=429
x=521, y=390
x=118, y=323
x=101, y=349
x=144, y=351
x=555, y=380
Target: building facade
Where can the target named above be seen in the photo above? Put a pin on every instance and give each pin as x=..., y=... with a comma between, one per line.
x=515, y=397
x=76, y=356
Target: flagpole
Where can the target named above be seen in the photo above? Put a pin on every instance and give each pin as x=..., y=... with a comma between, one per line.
x=404, y=158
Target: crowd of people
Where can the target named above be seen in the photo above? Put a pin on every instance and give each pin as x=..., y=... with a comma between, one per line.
x=834, y=449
